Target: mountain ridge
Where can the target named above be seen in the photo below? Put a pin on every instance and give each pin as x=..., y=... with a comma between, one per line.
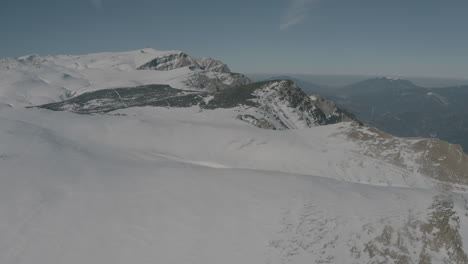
x=278, y=104
x=33, y=80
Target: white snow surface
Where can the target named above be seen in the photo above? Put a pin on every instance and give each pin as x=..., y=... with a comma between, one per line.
x=189, y=186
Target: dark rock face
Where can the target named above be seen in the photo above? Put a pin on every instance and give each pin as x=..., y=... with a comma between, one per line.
x=108, y=100
x=179, y=60
x=169, y=62
x=208, y=74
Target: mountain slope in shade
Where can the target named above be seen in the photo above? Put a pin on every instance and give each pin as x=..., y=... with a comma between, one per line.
x=402, y=108
x=35, y=79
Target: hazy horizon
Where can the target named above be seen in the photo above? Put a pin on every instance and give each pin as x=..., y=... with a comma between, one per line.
x=338, y=80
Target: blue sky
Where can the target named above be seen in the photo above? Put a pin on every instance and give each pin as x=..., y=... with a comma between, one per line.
x=374, y=37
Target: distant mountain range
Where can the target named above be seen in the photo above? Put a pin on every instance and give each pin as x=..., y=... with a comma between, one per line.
x=341, y=80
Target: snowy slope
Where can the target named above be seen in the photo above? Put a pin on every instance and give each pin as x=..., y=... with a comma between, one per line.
x=32, y=80
x=179, y=185
x=281, y=105
x=345, y=151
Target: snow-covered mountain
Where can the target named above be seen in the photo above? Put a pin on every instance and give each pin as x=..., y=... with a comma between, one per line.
x=34, y=79
x=256, y=173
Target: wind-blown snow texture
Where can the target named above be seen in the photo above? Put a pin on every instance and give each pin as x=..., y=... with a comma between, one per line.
x=134, y=180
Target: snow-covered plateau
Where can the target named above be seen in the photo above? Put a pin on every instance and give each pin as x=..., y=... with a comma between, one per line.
x=118, y=158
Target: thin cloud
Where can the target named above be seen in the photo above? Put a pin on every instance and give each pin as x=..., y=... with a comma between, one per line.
x=296, y=13
x=97, y=3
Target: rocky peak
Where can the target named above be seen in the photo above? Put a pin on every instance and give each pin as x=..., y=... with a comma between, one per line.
x=180, y=59
x=207, y=74
x=279, y=104
x=167, y=62
x=286, y=99
x=210, y=64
